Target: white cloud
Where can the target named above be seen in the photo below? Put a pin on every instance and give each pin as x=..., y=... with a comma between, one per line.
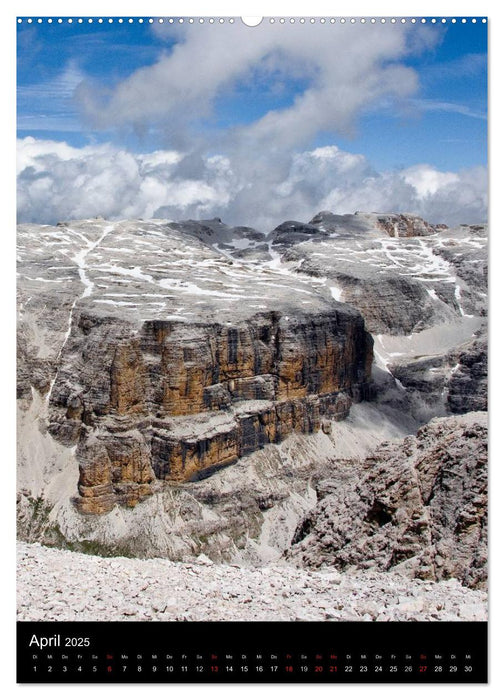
x=258, y=173
x=346, y=69
x=426, y=105
x=59, y=182
x=426, y=180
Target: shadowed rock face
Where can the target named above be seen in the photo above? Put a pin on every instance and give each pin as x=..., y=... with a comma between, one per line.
x=422, y=290
x=420, y=507
x=457, y=380
x=169, y=368
x=468, y=385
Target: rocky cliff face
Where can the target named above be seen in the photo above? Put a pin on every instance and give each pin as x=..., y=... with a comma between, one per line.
x=178, y=399
x=177, y=391
x=420, y=507
x=451, y=382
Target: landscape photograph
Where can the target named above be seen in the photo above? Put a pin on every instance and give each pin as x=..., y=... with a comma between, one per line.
x=252, y=319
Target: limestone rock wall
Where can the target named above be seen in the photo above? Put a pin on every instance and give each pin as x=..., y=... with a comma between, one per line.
x=174, y=400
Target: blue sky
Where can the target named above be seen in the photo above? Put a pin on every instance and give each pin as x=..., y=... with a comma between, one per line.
x=103, y=52
x=410, y=95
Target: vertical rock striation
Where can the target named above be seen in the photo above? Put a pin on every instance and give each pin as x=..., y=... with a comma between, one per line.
x=175, y=400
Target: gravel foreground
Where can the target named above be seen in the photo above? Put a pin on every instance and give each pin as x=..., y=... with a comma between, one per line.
x=55, y=584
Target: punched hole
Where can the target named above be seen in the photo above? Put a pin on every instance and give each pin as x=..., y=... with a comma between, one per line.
x=252, y=21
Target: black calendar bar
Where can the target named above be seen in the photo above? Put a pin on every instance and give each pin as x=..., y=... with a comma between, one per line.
x=252, y=652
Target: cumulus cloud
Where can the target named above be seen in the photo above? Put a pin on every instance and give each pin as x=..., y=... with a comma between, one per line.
x=439, y=197
x=345, y=68
x=59, y=182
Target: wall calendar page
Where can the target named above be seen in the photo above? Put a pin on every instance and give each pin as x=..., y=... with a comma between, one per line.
x=252, y=349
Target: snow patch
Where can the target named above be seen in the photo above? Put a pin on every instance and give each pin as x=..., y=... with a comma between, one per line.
x=337, y=293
